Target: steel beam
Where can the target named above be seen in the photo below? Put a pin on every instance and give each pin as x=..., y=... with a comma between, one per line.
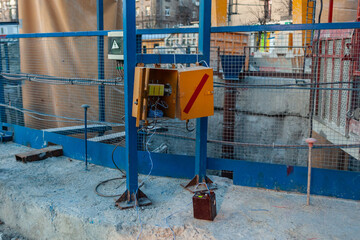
x=202, y=123
x=132, y=197
x=100, y=54
x=2, y=94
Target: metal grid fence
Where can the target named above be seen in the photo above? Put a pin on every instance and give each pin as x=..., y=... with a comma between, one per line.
x=272, y=91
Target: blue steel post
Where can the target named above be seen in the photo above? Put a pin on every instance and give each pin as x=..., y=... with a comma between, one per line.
x=7, y=61
x=202, y=123
x=85, y=106
x=100, y=53
x=129, y=69
x=2, y=95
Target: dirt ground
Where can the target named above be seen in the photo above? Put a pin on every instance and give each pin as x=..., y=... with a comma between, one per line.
x=55, y=199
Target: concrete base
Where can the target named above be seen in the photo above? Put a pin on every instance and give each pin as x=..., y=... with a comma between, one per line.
x=55, y=199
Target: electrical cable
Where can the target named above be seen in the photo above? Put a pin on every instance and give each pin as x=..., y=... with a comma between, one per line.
x=187, y=127
x=207, y=65
x=293, y=88
x=112, y=158
x=172, y=214
x=151, y=168
x=106, y=181
x=112, y=179
x=69, y=119
x=60, y=80
x=281, y=85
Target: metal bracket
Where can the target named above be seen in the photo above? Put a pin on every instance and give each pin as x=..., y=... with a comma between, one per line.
x=196, y=186
x=128, y=200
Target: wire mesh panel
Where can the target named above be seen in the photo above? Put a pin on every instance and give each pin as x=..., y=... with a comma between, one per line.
x=274, y=94
x=46, y=80
x=271, y=93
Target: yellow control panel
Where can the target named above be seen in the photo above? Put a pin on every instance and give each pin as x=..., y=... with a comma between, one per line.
x=156, y=90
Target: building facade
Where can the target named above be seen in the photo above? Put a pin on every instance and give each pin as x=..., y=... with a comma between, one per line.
x=8, y=11
x=253, y=12
x=166, y=13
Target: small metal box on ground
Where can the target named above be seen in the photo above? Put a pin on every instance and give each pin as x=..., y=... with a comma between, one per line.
x=204, y=204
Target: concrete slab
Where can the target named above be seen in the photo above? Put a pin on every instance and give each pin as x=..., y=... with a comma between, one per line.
x=55, y=199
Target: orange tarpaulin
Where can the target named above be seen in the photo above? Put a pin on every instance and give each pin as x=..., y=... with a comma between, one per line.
x=65, y=57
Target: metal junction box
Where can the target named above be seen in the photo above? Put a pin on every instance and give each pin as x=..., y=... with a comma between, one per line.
x=116, y=45
x=186, y=93
x=145, y=99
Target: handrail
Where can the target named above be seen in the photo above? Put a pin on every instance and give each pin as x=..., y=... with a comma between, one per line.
x=252, y=28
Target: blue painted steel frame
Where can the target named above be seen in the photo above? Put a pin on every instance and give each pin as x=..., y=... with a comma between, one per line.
x=100, y=53
x=2, y=93
x=129, y=22
x=202, y=123
x=325, y=182
x=275, y=27
x=342, y=184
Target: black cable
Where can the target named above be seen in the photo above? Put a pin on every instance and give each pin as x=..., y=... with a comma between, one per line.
x=112, y=157
x=112, y=179
x=312, y=103
x=109, y=180
x=106, y=181
x=187, y=127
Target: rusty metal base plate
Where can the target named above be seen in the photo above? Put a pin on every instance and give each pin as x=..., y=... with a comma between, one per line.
x=127, y=201
x=200, y=188
x=194, y=185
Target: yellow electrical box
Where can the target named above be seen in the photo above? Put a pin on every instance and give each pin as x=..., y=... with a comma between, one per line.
x=195, y=93
x=173, y=93
x=144, y=101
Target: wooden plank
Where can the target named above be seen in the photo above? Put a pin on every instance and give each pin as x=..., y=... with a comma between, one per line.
x=79, y=129
x=40, y=154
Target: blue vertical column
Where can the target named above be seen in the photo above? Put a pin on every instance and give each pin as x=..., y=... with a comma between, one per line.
x=129, y=22
x=100, y=54
x=7, y=60
x=202, y=123
x=2, y=95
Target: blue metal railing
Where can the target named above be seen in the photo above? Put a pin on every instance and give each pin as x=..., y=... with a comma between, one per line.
x=201, y=140
x=252, y=28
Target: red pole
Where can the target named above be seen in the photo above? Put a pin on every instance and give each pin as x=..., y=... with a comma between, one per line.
x=331, y=8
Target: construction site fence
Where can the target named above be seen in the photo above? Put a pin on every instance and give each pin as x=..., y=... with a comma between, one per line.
x=274, y=86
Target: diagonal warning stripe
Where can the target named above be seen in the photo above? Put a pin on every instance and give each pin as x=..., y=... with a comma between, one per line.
x=196, y=93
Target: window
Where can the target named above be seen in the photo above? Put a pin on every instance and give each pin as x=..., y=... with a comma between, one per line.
x=137, y=11
x=167, y=25
x=194, y=14
x=167, y=11
x=147, y=10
